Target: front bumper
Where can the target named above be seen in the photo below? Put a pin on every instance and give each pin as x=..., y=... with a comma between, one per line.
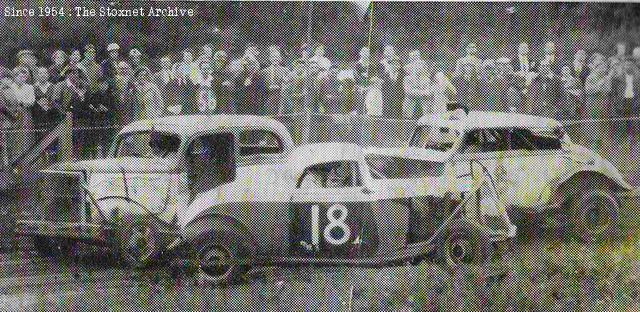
x=88, y=232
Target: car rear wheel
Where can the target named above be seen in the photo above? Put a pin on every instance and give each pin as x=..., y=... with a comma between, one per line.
x=595, y=214
x=218, y=255
x=463, y=244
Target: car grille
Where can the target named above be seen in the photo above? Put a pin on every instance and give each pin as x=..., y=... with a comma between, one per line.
x=58, y=197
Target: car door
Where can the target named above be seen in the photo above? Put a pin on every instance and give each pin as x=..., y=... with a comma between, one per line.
x=490, y=149
x=330, y=213
x=210, y=161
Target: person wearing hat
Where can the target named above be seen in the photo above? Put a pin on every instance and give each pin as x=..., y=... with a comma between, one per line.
x=135, y=60
x=250, y=89
x=222, y=83
x=274, y=76
x=148, y=95
x=110, y=65
x=24, y=96
x=392, y=74
x=545, y=93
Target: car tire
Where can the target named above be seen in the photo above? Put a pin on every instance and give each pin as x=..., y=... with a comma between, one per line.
x=220, y=246
x=138, y=242
x=595, y=214
x=464, y=243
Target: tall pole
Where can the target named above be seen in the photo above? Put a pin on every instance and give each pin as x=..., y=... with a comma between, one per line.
x=307, y=96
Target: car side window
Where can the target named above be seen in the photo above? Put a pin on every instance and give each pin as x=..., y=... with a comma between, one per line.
x=256, y=142
x=539, y=140
x=485, y=141
x=330, y=175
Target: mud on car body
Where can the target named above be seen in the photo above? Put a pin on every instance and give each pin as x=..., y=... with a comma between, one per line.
x=538, y=170
x=154, y=169
x=338, y=204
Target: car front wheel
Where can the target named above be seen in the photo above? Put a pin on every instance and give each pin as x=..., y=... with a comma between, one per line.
x=463, y=244
x=595, y=214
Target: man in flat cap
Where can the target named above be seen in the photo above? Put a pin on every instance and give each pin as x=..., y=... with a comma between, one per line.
x=110, y=65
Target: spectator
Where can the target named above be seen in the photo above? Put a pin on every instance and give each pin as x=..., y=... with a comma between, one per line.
x=110, y=65
x=25, y=98
x=373, y=101
x=274, y=76
x=488, y=86
x=546, y=92
x=249, y=89
x=389, y=55
x=444, y=91
x=59, y=59
x=346, y=90
x=8, y=118
x=221, y=82
x=314, y=88
x=104, y=104
x=550, y=56
x=135, y=59
x=509, y=95
x=149, y=97
x=206, y=54
x=621, y=52
x=74, y=63
x=72, y=96
x=392, y=75
x=471, y=57
x=524, y=64
x=91, y=67
x=625, y=87
x=124, y=86
x=43, y=112
x=250, y=53
x=28, y=60
x=468, y=85
x=329, y=91
x=525, y=68
x=361, y=76
x=580, y=70
x=414, y=59
x=417, y=89
x=319, y=58
x=295, y=89
x=572, y=95
x=636, y=56
x=597, y=88
x=166, y=82
x=206, y=97
x=186, y=71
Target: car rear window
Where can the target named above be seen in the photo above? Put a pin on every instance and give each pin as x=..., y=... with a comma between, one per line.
x=392, y=167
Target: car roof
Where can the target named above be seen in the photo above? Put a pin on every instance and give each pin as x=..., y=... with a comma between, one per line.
x=188, y=125
x=483, y=120
x=317, y=153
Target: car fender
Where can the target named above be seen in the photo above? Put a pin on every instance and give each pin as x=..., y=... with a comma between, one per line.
x=599, y=169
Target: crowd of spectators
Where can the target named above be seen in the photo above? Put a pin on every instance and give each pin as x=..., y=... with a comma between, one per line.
x=123, y=87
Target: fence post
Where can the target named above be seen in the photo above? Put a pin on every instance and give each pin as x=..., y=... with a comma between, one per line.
x=65, y=141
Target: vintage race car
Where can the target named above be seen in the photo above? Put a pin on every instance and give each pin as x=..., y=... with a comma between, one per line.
x=538, y=170
x=337, y=204
x=154, y=169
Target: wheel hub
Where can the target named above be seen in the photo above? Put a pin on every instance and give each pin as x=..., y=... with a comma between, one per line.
x=459, y=251
x=215, y=261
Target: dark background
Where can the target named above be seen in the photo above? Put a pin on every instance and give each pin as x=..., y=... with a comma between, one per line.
x=440, y=30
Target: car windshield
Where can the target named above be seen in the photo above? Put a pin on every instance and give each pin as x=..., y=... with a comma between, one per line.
x=147, y=144
x=434, y=137
x=392, y=167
